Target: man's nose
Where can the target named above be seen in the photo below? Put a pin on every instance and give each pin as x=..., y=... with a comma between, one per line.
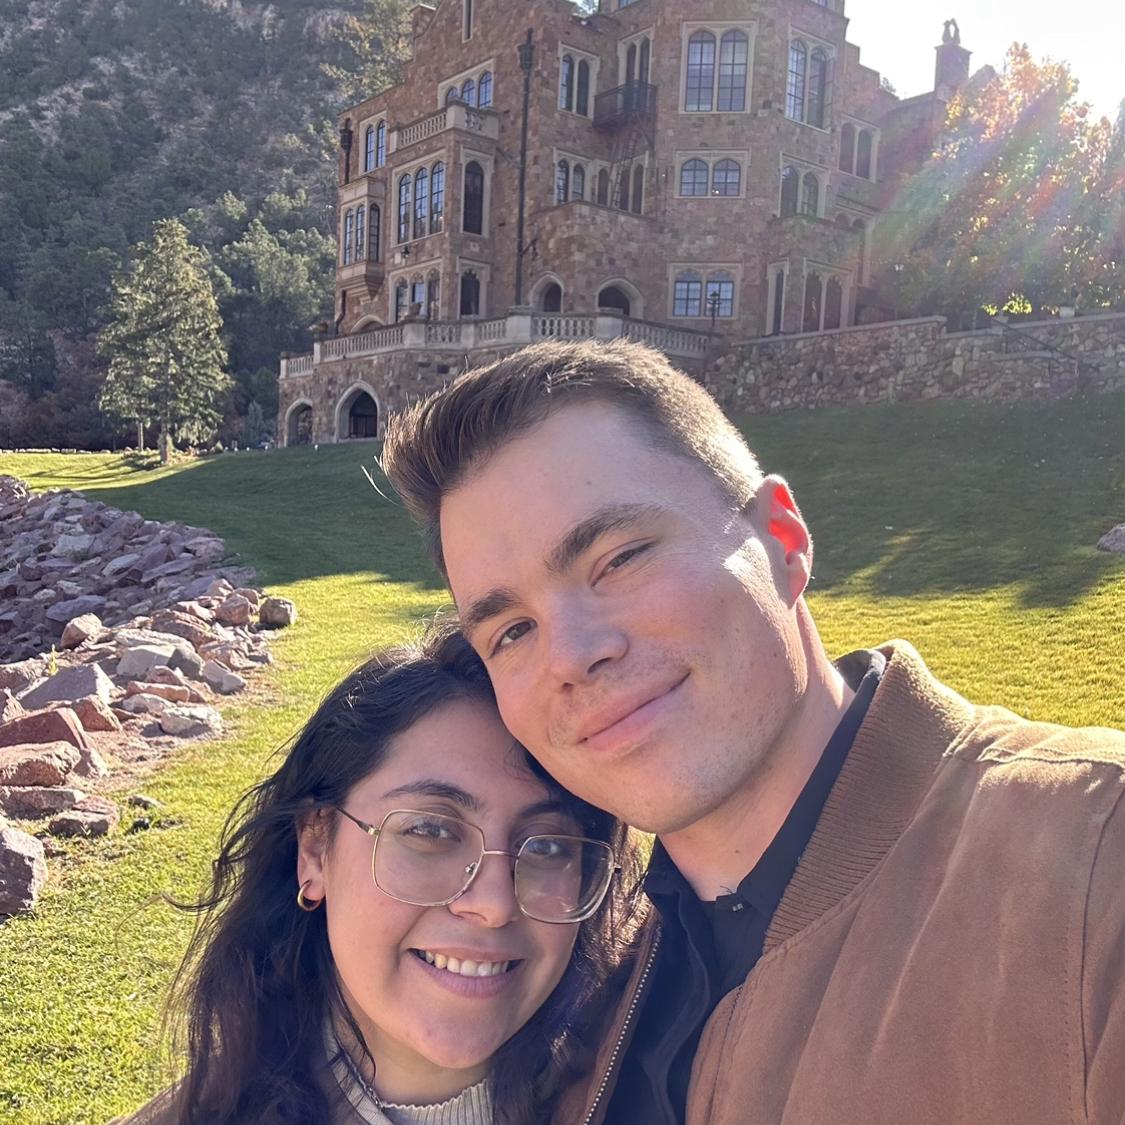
x=580, y=643
x=491, y=897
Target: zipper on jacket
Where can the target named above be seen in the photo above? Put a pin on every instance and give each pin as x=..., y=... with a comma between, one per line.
x=638, y=995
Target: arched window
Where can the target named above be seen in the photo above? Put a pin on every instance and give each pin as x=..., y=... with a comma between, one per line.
x=433, y=297
x=468, y=91
x=603, y=187
x=566, y=83
x=614, y=297
x=810, y=322
x=847, y=147
x=734, y=54
x=638, y=201
x=437, y=197
x=863, y=155
x=421, y=201
x=360, y=233
x=404, y=186
x=720, y=294
x=551, y=299
x=417, y=297
x=562, y=181
x=578, y=182
x=621, y=189
x=700, y=73
x=642, y=65
x=778, y=301
x=452, y=95
x=693, y=177
x=810, y=195
x=369, y=149
x=349, y=236
x=402, y=294
x=843, y=221
x=375, y=234
x=687, y=296
x=582, y=98
x=795, y=87
x=818, y=88
x=380, y=144
x=472, y=212
x=726, y=178
x=631, y=64
x=470, y=294
x=790, y=188
x=833, y=303
x=484, y=90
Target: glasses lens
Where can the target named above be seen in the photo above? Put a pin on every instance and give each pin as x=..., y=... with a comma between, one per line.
x=425, y=858
x=562, y=878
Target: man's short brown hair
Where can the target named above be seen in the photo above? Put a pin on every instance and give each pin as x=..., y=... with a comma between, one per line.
x=432, y=446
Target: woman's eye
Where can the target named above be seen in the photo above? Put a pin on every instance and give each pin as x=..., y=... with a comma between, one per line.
x=512, y=633
x=429, y=830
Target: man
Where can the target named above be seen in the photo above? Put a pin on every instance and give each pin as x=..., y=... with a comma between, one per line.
x=877, y=902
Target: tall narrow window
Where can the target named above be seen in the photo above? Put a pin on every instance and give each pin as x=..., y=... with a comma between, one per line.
x=437, y=197
x=404, y=208
x=790, y=189
x=818, y=88
x=433, y=297
x=472, y=211
x=810, y=195
x=467, y=14
x=468, y=91
x=687, y=297
x=700, y=73
x=421, y=202
x=578, y=182
x=375, y=234
x=795, y=87
x=562, y=181
x=778, y=301
x=402, y=292
x=360, y=233
x=453, y=94
x=631, y=64
x=638, y=201
x=734, y=55
x=643, y=60
x=693, y=177
x=566, y=83
x=863, y=155
x=380, y=144
x=349, y=236
x=847, y=147
x=484, y=90
x=720, y=294
x=470, y=294
x=582, y=96
x=814, y=286
x=603, y=187
x=369, y=149
x=833, y=303
x=726, y=178
x=417, y=297
x=860, y=227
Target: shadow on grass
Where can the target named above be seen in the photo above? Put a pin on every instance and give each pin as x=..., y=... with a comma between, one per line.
x=934, y=498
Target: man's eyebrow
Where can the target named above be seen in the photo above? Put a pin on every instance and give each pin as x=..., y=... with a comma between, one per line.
x=614, y=517
x=431, y=787
x=478, y=611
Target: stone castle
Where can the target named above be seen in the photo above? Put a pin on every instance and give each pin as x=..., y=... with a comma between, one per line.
x=672, y=171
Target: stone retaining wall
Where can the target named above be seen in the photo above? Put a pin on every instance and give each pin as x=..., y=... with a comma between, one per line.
x=917, y=359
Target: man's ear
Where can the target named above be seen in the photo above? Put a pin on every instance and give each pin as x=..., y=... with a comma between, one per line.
x=312, y=852
x=778, y=515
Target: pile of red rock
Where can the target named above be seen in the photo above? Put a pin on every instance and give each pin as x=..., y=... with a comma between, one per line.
x=110, y=694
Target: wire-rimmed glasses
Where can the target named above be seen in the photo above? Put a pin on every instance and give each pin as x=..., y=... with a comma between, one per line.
x=431, y=859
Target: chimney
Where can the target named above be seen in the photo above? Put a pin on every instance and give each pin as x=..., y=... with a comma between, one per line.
x=952, y=69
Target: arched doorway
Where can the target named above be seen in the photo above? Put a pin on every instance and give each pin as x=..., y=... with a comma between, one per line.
x=614, y=297
x=299, y=424
x=357, y=414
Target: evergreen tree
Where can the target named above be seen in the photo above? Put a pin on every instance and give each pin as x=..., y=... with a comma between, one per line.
x=161, y=338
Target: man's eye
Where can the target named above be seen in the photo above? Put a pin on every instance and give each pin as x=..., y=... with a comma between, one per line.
x=625, y=557
x=512, y=633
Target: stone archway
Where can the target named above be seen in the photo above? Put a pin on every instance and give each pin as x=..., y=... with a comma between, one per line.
x=299, y=423
x=547, y=294
x=357, y=414
x=621, y=294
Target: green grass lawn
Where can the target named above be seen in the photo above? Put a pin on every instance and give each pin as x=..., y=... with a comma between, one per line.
x=969, y=530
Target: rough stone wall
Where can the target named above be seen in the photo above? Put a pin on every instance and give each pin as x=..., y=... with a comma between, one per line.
x=916, y=359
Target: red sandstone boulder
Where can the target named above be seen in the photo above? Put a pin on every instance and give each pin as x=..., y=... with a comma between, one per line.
x=234, y=610
x=44, y=763
x=23, y=870
x=48, y=725
x=174, y=693
x=96, y=715
x=32, y=801
x=88, y=627
x=93, y=816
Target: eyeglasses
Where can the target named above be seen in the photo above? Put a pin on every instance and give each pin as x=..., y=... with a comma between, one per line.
x=430, y=859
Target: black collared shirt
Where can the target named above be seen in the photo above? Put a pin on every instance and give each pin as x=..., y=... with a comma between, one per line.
x=708, y=948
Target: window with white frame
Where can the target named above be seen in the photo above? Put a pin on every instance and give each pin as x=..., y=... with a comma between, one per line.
x=375, y=146
x=802, y=190
x=824, y=301
x=857, y=150
x=710, y=174
x=808, y=81
x=716, y=68
x=577, y=81
x=473, y=87
x=777, y=277
x=704, y=291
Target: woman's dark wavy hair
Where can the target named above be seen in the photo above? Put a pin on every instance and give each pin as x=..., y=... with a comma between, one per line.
x=258, y=982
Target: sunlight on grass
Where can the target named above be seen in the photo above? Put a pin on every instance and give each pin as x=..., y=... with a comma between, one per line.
x=968, y=530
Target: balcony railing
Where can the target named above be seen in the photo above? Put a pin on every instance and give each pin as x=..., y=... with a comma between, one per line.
x=456, y=115
x=623, y=104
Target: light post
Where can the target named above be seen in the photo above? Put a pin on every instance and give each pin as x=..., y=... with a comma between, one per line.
x=714, y=299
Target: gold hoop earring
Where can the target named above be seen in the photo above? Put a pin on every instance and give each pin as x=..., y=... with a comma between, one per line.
x=307, y=906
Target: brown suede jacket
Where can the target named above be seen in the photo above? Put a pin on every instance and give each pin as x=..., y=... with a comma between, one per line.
x=951, y=948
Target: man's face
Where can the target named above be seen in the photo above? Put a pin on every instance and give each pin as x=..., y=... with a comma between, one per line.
x=641, y=635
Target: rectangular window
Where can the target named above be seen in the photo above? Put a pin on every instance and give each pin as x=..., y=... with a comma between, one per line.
x=720, y=298
x=700, y=73
x=688, y=298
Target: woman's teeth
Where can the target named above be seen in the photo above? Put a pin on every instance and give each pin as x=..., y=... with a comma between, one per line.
x=465, y=968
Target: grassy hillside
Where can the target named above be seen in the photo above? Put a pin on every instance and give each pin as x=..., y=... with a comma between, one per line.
x=968, y=530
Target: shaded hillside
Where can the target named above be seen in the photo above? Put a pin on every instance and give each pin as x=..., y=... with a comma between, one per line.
x=114, y=113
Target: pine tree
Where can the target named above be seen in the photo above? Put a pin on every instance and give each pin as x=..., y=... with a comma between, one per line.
x=166, y=357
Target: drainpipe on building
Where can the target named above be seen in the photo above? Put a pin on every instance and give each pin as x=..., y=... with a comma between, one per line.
x=527, y=61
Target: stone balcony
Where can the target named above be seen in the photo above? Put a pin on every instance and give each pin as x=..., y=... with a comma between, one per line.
x=456, y=115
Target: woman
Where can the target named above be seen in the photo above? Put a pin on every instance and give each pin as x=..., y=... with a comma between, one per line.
x=409, y=922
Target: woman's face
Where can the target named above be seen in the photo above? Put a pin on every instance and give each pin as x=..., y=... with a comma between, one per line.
x=432, y=1031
